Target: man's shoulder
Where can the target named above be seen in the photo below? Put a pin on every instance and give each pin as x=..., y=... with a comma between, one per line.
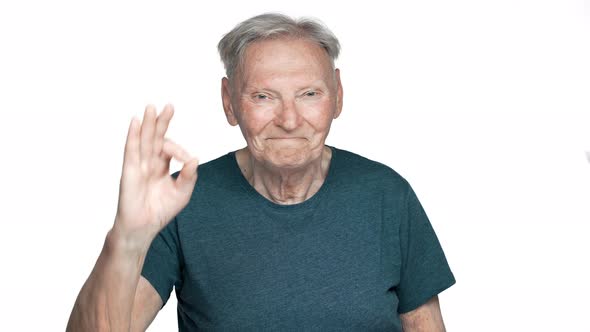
x=363, y=169
x=222, y=162
x=215, y=169
x=354, y=162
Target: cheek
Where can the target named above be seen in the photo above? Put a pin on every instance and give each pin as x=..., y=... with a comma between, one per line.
x=320, y=115
x=254, y=119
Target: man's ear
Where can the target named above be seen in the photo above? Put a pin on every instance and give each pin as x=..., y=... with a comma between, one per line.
x=226, y=100
x=339, y=94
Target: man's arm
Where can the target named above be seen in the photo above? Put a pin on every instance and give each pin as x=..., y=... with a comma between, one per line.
x=146, y=305
x=115, y=297
x=426, y=318
x=115, y=294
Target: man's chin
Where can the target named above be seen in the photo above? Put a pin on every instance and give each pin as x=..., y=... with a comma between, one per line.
x=289, y=158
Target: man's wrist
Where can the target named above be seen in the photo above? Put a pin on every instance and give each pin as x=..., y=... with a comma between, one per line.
x=120, y=244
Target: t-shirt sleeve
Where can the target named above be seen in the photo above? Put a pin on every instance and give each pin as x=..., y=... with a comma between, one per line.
x=424, y=270
x=162, y=265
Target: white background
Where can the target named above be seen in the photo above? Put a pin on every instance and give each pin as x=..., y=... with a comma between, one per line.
x=484, y=106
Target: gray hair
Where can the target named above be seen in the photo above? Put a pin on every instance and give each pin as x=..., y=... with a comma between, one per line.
x=270, y=26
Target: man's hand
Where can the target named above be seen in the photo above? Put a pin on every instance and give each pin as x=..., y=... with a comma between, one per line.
x=148, y=196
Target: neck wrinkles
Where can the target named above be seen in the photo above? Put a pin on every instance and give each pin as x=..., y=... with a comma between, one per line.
x=285, y=186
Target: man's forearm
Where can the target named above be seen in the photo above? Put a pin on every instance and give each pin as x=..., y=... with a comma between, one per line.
x=105, y=302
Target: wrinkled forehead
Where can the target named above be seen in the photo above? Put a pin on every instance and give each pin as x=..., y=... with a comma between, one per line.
x=270, y=58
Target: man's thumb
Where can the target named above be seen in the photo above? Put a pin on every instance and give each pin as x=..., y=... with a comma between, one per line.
x=188, y=176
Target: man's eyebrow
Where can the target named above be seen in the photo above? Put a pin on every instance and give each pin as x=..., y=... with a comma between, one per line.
x=256, y=88
x=316, y=84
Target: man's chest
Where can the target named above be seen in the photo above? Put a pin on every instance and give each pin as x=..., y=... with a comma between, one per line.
x=261, y=273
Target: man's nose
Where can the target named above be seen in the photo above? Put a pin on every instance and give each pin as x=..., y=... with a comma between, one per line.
x=288, y=115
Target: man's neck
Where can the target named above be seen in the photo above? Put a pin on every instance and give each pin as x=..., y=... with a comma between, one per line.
x=285, y=186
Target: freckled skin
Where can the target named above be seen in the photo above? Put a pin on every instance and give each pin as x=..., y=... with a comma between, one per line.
x=284, y=97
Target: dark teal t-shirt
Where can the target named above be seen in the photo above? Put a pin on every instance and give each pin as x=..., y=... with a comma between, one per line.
x=350, y=258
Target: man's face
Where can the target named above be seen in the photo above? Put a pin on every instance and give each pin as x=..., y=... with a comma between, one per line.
x=284, y=97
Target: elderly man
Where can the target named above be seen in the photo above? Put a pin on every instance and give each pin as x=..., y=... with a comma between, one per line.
x=284, y=234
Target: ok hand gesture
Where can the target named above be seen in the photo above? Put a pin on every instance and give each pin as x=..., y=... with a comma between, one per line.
x=148, y=196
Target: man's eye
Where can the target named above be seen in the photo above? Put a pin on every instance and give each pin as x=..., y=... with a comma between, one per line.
x=311, y=94
x=261, y=97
